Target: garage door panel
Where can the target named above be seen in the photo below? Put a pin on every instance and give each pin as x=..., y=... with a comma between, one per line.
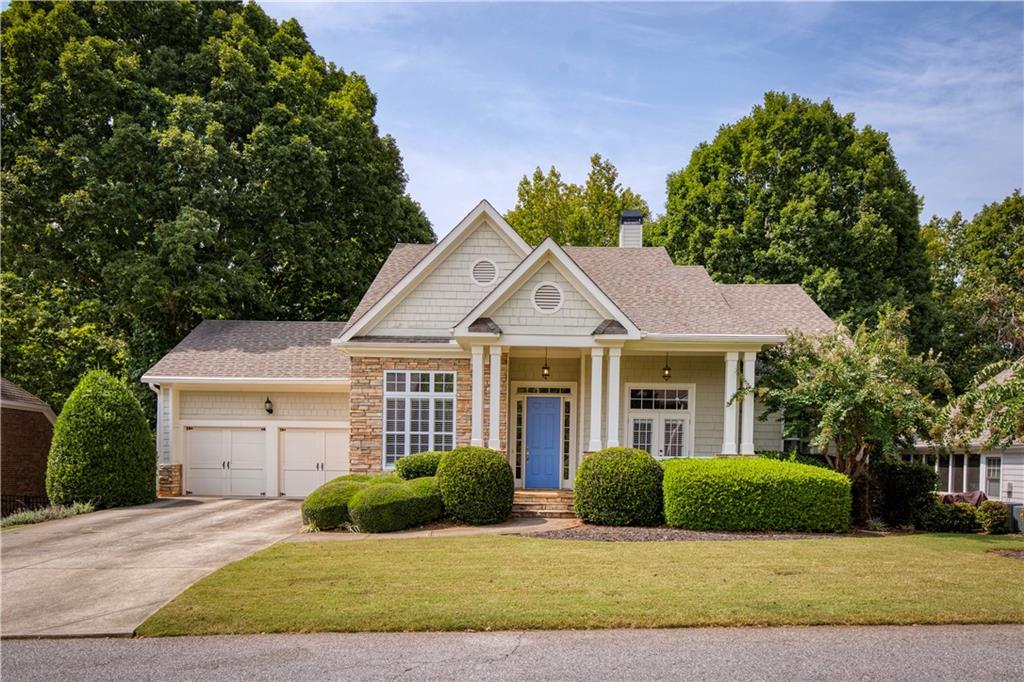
x=336, y=452
x=248, y=449
x=206, y=448
x=301, y=449
x=247, y=482
x=225, y=461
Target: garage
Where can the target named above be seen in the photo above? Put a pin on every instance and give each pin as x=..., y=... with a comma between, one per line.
x=252, y=409
x=310, y=458
x=228, y=462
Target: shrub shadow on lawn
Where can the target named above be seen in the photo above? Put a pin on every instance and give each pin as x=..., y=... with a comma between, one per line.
x=667, y=534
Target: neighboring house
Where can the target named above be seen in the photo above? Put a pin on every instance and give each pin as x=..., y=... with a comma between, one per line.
x=998, y=472
x=545, y=353
x=26, y=427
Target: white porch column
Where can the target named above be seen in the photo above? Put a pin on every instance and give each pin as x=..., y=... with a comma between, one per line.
x=949, y=474
x=493, y=442
x=477, y=432
x=596, y=372
x=729, y=427
x=747, y=425
x=967, y=461
x=614, y=354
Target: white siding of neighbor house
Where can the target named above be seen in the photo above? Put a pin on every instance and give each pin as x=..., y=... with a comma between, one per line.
x=163, y=433
x=519, y=316
x=1012, y=472
x=449, y=292
x=244, y=405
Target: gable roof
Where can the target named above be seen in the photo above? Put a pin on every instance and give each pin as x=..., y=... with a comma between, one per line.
x=14, y=397
x=474, y=219
x=548, y=251
x=255, y=350
x=400, y=261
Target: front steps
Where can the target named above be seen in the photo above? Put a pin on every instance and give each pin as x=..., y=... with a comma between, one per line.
x=549, y=504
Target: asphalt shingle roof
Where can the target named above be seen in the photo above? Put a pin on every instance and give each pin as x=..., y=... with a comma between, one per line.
x=12, y=392
x=254, y=349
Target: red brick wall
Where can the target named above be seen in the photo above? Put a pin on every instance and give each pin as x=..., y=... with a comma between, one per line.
x=366, y=415
x=24, y=446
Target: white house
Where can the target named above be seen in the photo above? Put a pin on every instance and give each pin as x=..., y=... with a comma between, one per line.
x=544, y=353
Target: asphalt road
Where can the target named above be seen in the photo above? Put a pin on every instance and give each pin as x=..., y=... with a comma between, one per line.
x=973, y=653
x=104, y=573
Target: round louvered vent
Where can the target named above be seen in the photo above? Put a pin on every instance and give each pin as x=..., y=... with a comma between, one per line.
x=547, y=297
x=484, y=272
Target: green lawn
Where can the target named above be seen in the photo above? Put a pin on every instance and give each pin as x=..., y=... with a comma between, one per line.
x=507, y=582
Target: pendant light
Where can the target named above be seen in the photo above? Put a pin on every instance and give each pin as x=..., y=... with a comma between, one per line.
x=545, y=371
x=666, y=371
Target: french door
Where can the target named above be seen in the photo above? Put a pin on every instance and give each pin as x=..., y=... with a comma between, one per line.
x=662, y=435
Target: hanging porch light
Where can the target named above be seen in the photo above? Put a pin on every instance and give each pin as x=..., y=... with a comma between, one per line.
x=666, y=371
x=545, y=371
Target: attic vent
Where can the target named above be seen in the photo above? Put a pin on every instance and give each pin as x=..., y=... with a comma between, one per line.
x=547, y=297
x=484, y=272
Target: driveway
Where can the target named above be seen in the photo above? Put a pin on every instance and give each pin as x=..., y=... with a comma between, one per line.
x=106, y=572
x=972, y=652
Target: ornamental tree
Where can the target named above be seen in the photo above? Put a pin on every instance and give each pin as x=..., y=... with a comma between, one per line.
x=990, y=411
x=853, y=396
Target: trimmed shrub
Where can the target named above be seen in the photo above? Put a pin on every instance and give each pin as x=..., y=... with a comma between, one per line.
x=326, y=508
x=102, y=451
x=389, y=507
x=994, y=517
x=368, y=478
x=476, y=485
x=619, y=487
x=755, y=494
x=902, y=492
x=419, y=465
x=795, y=457
x=959, y=517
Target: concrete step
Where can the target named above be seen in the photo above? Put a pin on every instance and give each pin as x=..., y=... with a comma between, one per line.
x=543, y=513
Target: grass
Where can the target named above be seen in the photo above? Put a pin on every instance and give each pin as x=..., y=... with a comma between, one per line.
x=508, y=582
x=57, y=511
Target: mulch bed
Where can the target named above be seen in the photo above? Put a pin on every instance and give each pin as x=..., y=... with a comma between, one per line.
x=665, y=534
x=1012, y=553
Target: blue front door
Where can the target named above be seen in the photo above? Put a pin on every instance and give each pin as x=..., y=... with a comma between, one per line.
x=542, y=442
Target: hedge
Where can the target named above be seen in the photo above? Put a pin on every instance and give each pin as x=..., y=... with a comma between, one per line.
x=902, y=492
x=476, y=485
x=794, y=457
x=326, y=508
x=102, y=450
x=994, y=517
x=419, y=465
x=755, y=494
x=390, y=507
x=959, y=517
x=619, y=487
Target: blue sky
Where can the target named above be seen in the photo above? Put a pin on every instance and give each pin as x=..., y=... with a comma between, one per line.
x=479, y=94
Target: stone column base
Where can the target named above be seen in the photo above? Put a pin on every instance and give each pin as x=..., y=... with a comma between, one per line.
x=168, y=480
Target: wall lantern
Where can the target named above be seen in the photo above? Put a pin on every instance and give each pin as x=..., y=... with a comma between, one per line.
x=268, y=406
x=545, y=371
x=666, y=371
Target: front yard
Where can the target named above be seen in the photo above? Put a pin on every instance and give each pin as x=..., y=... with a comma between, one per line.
x=508, y=582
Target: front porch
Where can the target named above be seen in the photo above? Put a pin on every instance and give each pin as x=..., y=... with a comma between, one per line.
x=548, y=407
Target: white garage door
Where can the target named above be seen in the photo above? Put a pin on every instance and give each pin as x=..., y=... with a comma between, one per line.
x=226, y=461
x=310, y=457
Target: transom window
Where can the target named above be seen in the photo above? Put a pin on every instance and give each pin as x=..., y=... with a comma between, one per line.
x=659, y=399
x=419, y=413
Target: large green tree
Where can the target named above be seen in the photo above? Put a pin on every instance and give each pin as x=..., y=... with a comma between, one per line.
x=796, y=192
x=581, y=215
x=978, y=272
x=165, y=162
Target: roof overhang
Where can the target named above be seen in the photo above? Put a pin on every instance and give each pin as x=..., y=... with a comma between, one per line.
x=293, y=381
x=44, y=410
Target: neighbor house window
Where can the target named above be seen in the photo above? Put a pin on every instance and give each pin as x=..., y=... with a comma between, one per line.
x=419, y=413
x=993, y=476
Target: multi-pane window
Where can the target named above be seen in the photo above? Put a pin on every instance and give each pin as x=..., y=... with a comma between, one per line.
x=642, y=433
x=566, y=430
x=659, y=421
x=658, y=398
x=419, y=413
x=993, y=476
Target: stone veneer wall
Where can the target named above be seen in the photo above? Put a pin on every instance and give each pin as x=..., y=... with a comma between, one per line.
x=367, y=403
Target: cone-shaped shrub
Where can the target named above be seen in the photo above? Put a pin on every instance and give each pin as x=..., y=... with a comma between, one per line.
x=102, y=450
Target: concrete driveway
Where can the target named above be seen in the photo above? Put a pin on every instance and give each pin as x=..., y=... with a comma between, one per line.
x=106, y=572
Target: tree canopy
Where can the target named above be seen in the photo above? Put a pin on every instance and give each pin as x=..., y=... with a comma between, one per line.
x=165, y=162
x=586, y=215
x=978, y=272
x=991, y=411
x=794, y=192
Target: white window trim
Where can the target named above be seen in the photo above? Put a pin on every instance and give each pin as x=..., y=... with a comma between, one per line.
x=561, y=297
x=408, y=395
x=571, y=398
x=983, y=477
x=497, y=273
x=690, y=412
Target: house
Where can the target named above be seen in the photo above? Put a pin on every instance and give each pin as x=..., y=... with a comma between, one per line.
x=544, y=353
x=26, y=425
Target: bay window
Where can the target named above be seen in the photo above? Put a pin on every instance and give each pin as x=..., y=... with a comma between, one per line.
x=419, y=413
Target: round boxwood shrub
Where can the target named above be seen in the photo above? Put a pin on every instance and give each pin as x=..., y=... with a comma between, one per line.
x=419, y=465
x=388, y=507
x=102, y=450
x=994, y=517
x=619, y=487
x=476, y=485
x=744, y=494
x=326, y=508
